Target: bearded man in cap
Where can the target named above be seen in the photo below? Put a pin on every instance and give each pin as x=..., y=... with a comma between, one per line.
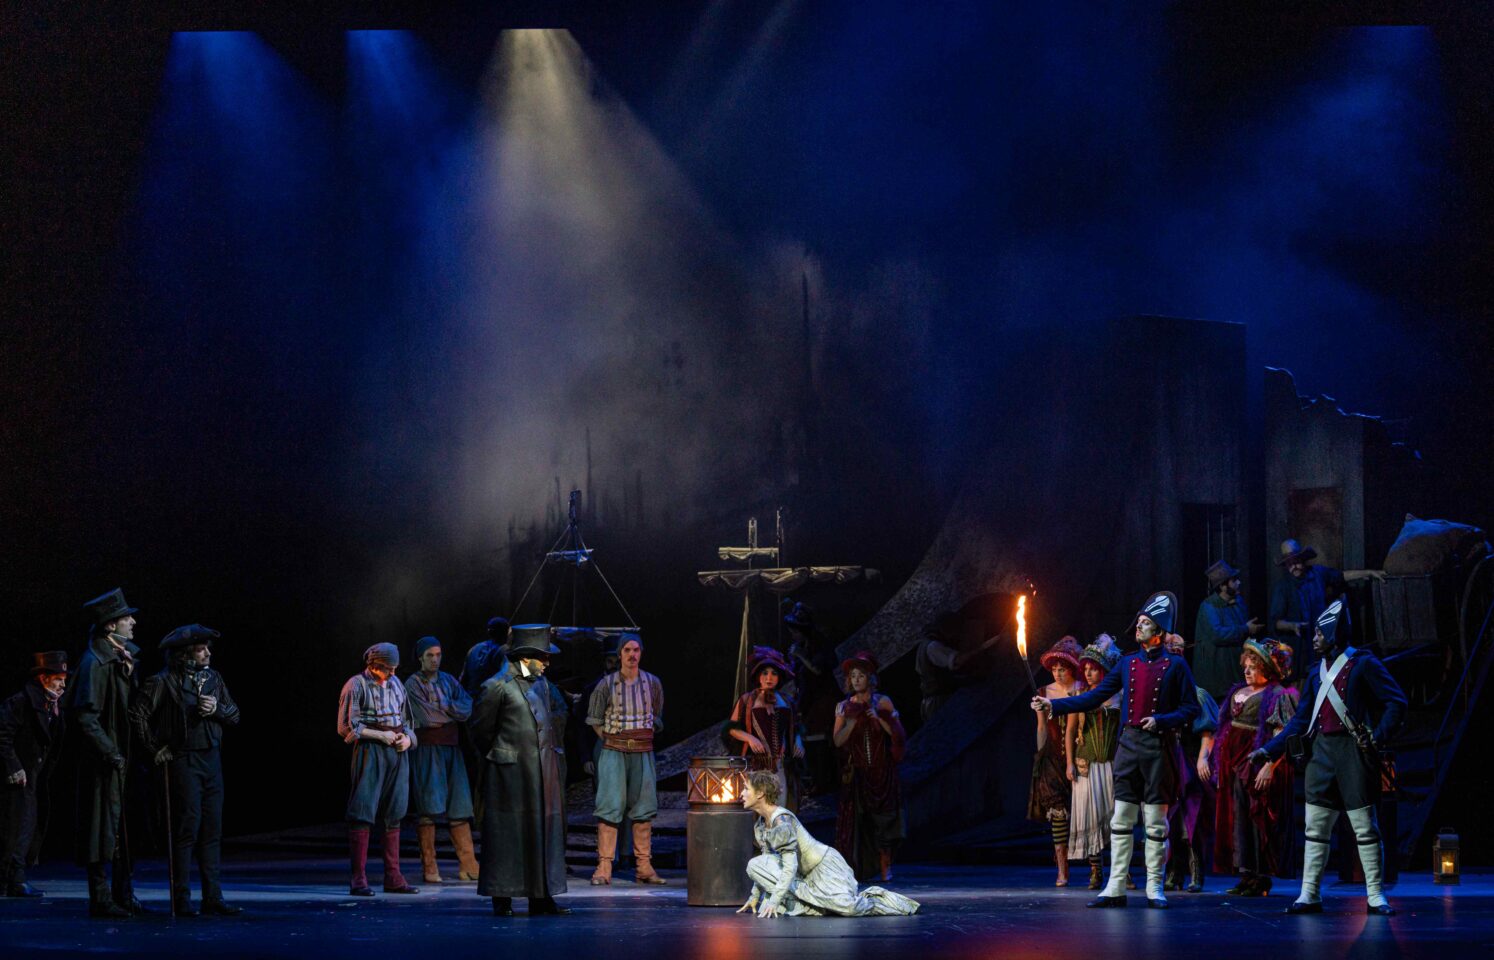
x=626, y=709
x=1356, y=708
x=439, y=789
x=179, y=715
x=31, y=728
x=373, y=714
x=1300, y=597
x=97, y=703
x=518, y=726
x=1223, y=625
x=1158, y=696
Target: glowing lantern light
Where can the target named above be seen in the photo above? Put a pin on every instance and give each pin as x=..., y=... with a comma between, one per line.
x=1445, y=860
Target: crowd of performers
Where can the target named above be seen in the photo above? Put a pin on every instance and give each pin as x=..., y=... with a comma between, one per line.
x=409, y=740
x=1200, y=759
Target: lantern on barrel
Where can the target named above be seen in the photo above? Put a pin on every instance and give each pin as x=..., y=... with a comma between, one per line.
x=718, y=833
x=1446, y=866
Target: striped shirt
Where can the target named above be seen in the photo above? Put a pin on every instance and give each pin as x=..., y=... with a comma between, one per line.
x=617, y=705
x=367, y=702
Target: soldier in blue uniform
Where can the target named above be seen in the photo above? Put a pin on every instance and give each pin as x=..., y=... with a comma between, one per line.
x=1158, y=697
x=1356, y=708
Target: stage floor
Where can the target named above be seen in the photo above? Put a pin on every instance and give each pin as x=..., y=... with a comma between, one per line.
x=299, y=908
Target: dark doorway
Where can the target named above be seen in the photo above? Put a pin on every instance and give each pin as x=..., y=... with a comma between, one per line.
x=1208, y=535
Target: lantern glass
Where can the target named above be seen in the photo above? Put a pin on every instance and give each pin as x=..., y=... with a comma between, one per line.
x=1445, y=859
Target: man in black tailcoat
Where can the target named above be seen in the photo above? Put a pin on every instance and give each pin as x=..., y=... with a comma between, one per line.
x=518, y=726
x=31, y=728
x=180, y=714
x=97, y=703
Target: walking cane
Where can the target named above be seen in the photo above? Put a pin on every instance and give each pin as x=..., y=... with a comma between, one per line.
x=170, y=838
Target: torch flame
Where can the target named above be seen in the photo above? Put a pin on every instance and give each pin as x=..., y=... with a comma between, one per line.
x=1022, y=626
x=727, y=793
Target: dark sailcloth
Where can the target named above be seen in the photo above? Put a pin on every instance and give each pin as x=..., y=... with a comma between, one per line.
x=518, y=725
x=870, y=815
x=1252, y=828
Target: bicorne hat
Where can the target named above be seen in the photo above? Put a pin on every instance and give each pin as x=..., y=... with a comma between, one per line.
x=188, y=636
x=50, y=661
x=107, y=607
x=1334, y=623
x=1162, y=609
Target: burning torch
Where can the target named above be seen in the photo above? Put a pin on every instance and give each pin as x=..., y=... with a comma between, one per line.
x=1022, y=640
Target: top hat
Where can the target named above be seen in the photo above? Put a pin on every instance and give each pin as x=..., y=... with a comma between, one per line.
x=188, y=636
x=1220, y=573
x=1103, y=653
x=531, y=640
x=1292, y=551
x=50, y=661
x=764, y=657
x=1065, y=651
x=107, y=607
x=1162, y=609
x=800, y=616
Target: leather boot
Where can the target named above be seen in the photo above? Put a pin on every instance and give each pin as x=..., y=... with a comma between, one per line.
x=1154, y=817
x=1061, y=858
x=1122, y=842
x=884, y=858
x=1319, y=832
x=358, y=854
x=643, y=854
x=1096, y=872
x=100, y=897
x=1196, y=870
x=429, y=872
x=606, y=853
x=461, y=839
x=1367, y=836
x=394, y=881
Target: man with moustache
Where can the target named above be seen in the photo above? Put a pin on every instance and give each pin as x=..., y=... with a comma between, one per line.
x=31, y=727
x=518, y=726
x=1158, y=696
x=180, y=715
x=439, y=789
x=1219, y=633
x=626, y=709
x=1356, y=708
x=97, y=703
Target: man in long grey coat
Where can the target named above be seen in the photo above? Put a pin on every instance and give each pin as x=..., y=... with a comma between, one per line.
x=518, y=725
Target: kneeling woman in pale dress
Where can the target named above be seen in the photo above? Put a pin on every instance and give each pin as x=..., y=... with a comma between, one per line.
x=798, y=876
